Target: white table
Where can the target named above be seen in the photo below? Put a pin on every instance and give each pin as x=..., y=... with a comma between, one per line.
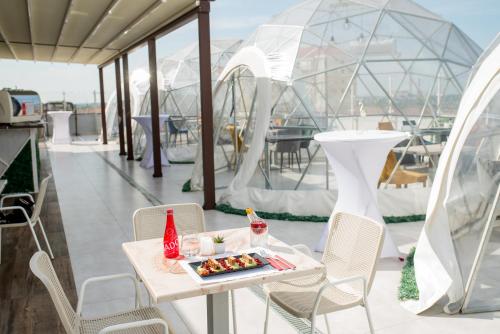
x=357, y=159
x=60, y=129
x=146, y=124
x=164, y=286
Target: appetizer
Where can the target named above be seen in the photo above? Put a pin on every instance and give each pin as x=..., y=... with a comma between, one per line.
x=228, y=264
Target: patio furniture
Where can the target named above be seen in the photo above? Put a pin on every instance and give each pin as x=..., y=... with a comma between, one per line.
x=164, y=286
x=146, y=124
x=60, y=131
x=27, y=219
x=237, y=142
x=357, y=159
x=140, y=320
x=176, y=127
x=387, y=126
x=149, y=223
x=351, y=253
x=292, y=147
x=401, y=177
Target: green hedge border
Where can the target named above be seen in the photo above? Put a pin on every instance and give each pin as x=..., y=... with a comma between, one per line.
x=181, y=162
x=408, y=289
x=226, y=208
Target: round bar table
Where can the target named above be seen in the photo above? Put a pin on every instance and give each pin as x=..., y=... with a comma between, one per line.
x=60, y=130
x=145, y=122
x=357, y=159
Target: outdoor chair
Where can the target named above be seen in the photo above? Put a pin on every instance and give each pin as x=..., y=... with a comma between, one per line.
x=25, y=215
x=350, y=256
x=401, y=177
x=140, y=320
x=387, y=126
x=176, y=128
x=292, y=147
x=237, y=141
x=149, y=223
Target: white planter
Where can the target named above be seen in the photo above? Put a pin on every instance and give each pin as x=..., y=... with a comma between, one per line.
x=220, y=248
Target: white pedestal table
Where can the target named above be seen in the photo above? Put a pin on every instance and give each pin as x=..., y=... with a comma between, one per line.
x=357, y=159
x=146, y=124
x=60, y=129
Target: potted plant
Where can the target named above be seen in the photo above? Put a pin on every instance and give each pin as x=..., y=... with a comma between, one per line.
x=219, y=244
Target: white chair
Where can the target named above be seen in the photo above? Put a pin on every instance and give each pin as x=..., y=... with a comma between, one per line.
x=32, y=221
x=140, y=320
x=150, y=222
x=350, y=256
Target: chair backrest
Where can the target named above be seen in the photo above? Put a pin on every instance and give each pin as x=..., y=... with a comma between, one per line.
x=389, y=166
x=353, y=247
x=288, y=145
x=41, y=266
x=150, y=222
x=40, y=198
x=232, y=133
x=171, y=126
x=385, y=126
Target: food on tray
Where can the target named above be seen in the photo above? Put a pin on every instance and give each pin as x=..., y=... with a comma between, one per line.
x=215, y=266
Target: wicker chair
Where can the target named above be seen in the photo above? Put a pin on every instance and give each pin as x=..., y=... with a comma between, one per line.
x=149, y=223
x=140, y=320
x=401, y=177
x=351, y=253
x=32, y=221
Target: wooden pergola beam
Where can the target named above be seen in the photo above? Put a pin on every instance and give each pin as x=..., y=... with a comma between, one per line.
x=206, y=105
x=128, y=114
x=103, y=108
x=119, y=106
x=155, y=108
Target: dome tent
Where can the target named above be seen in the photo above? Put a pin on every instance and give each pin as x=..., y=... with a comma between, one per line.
x=178, y=88
x=334, y=64
x=456, y=256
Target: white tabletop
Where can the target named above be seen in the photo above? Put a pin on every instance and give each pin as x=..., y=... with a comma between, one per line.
x=359, y=135
x=59, y=112
x=146, y=257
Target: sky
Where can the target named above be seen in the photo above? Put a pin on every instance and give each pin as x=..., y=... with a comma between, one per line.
x=229, y=19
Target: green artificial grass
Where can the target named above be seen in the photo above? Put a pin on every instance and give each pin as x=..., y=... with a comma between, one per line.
x=408, y=288
x=19, y=174
x=186, y=187
x=226, y=208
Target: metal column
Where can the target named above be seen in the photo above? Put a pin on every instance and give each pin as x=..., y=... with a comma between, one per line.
x=128, y=116
x=155, y=109
x=119, y=106
x=206, y=104
x=103, y=108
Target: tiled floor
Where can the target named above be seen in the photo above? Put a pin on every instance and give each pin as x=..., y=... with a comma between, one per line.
x=98, y=193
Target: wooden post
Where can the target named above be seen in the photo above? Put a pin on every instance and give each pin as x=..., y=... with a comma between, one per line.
x=119, y=106
x=206, y=104
x=155, y=109
x=128, y=116
x=103, y=108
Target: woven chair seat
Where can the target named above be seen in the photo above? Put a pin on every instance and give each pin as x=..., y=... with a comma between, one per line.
x=297, y=297
x=93, y=326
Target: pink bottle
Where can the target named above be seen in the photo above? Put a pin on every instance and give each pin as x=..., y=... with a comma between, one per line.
x=170, y=238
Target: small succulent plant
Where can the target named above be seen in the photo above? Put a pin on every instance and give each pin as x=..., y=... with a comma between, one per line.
x=219, y=239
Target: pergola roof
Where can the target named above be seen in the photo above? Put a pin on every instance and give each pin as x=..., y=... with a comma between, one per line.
x=81, y=31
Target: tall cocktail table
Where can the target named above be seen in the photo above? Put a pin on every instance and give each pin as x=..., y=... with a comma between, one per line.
x=357, y=159
x=146, y=124
x=164, y=286
x=60, y=131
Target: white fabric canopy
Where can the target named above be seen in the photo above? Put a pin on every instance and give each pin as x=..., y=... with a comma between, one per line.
x=441, y=271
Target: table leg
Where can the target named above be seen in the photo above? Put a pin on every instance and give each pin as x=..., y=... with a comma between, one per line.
x=218, y=313
x=267, y=167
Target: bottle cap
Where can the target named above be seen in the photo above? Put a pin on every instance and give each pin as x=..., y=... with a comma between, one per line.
x=170, y=211
x=249, y=211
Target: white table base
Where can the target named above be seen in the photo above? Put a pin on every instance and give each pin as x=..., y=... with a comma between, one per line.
x=147, y=159
x=357, y=163
x=60, y=128
x=218, y=313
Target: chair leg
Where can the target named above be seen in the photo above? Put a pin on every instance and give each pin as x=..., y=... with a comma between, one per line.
x=313, y=323
x=233, y=308
x=31, y=226
x=308, y=153
x=281, y=163
x=46, y=239
x=298, y=161
x=367, y=310
x=327, y=324
x=266, y=322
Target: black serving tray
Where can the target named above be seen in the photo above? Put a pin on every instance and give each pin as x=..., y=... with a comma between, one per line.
x=264, y=262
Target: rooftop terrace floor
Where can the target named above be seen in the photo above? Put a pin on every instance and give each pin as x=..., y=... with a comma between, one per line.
x=98, y=191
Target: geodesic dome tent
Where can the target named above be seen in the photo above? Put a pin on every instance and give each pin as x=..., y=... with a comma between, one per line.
x=178, y=88
x=456, y=259
x=337, y=64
